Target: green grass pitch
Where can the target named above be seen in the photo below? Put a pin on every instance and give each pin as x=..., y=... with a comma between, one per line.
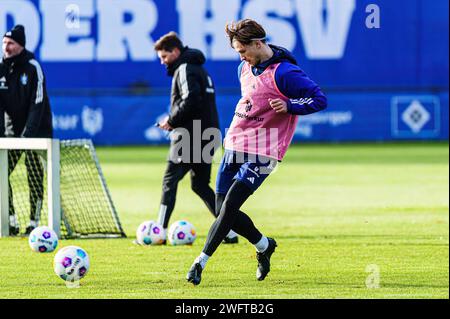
x=338, y=212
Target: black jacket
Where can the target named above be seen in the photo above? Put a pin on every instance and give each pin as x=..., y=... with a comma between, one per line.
x=24, y=105
x=192, y=98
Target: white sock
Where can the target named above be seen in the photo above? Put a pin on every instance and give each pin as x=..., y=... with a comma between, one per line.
x=262, y=245
x=202, y=259
x=231, y=234
x=33, y=223
x=162, y=214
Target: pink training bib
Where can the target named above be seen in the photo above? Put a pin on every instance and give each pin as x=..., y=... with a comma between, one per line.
x=256, y=127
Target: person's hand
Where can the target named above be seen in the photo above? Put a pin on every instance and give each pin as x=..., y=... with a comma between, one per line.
x=165, y=125
x=278, y=105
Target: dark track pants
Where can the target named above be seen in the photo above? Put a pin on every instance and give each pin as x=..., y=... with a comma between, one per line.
x=200, y=179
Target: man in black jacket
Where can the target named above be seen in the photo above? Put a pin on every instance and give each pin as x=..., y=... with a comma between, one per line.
x=192, y=112
x=25, y=113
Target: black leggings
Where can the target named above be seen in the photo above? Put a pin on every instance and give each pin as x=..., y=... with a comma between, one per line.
x=230, y=217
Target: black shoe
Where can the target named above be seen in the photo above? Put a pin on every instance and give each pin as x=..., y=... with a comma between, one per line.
x=29, y=229
x=14, y=231
x=264, y=260
x=231, y=240
x=194, y=274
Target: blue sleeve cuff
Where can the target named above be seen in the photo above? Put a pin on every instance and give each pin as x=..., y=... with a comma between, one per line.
x=289, y=106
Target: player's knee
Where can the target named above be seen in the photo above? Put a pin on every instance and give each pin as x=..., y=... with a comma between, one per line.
x=236, y=196
x=169, y=186
x=229, y=207
x=170, y=183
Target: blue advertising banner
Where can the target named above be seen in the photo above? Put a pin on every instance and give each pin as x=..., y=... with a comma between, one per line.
x=383, y=64
x=130, y=120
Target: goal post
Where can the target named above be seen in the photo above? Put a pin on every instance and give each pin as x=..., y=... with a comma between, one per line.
x=51, y=146
x=55, y=183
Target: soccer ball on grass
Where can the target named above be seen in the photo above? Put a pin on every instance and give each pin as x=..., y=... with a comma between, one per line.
x=71, y=263
x=150, y=233
x=43, y=239
x=182, y=233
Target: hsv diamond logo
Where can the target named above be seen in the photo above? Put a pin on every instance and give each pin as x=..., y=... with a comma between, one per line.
x=248, y=106
x=415, y=116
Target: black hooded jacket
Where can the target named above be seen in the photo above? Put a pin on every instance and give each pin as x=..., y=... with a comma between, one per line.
x=24, y=104
x=192, y=96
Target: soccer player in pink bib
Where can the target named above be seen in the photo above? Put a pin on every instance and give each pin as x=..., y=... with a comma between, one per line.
x=275, y=91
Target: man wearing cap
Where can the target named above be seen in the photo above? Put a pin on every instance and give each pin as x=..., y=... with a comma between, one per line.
x=24, y=113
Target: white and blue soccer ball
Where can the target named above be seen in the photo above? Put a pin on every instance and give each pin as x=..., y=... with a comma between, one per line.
x=71, y=263
x=43, y=239
x=150, y=233
x=182, y=232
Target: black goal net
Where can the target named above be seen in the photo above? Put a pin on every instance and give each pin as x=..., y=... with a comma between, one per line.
x=87, y=209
